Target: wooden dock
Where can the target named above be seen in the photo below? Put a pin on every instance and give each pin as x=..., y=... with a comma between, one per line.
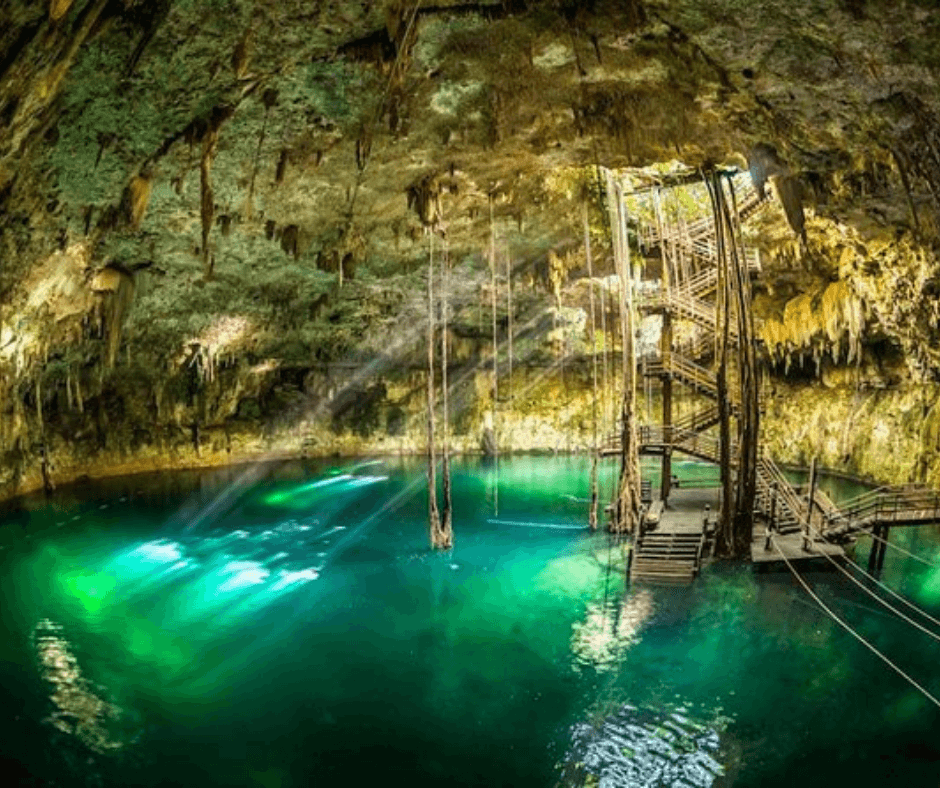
x=791, y=545
x=670, y=551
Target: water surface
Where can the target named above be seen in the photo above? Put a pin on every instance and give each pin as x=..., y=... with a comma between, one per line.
x=287, y=626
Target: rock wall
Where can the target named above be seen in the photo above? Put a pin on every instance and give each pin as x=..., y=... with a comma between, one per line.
x=888, y=436
x=121, y=429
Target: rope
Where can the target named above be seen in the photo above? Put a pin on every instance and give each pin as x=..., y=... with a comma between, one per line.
x=900, y=549
x=900, y=598
x=553, y=526
x=881, y=585
x=933, y=699
x=878, y=599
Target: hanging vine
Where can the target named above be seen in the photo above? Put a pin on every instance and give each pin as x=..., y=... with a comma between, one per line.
x=434, y=522
x=626, y=514
x=592, y=515
x=447, y=528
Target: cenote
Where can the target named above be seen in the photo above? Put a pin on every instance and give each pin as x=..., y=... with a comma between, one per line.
x=287, y=625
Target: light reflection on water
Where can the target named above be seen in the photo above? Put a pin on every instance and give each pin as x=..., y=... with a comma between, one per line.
x=608, y=630
x=79, y=709
x=646, y=748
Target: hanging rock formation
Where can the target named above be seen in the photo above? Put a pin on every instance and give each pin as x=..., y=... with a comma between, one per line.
x=185, y=186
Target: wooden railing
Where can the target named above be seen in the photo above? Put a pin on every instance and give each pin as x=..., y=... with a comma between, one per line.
x=905, y=504
x=705, y=226
x=791, y=513
x=686, y=371
x=704, y=281
x=690, y=442
x=698, y=420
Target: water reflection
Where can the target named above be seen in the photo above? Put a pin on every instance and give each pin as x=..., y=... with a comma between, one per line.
x=79, y=711
x=609, y=630
x=645, y=748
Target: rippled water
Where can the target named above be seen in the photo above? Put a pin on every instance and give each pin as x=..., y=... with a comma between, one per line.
x=288, y=627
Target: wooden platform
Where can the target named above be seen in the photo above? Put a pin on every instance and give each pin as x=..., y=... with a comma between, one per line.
x=791, y=545
x=670, y=553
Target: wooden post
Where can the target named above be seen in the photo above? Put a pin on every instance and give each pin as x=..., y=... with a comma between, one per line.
x=876, y=557
x=884, y=548
x=772, y=525
x=665, y=349
x=812, y=492
x=873, y=552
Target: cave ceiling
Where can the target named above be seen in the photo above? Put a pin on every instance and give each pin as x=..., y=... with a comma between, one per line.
x=277, y=165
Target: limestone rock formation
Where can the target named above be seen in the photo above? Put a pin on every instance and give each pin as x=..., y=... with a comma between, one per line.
x=214, y=214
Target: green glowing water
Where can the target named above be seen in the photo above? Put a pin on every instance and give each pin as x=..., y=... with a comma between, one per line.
x=288, y=627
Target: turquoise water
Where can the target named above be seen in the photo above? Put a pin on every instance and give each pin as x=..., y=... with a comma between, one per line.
x=287, y=626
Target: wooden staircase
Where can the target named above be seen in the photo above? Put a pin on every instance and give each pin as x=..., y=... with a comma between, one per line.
x=790, y=511
x=696, y=377
x=666, y=558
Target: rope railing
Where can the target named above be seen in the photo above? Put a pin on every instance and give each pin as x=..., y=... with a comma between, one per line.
x=926, y=693
x=870, y=577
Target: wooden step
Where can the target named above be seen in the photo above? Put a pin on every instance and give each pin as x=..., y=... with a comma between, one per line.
x=669, y=536
x=662, y=571
x=664, y=579
x=660, y=546
x=663, y=567
x=664, y=576
x=667, y=546
x=668, y=550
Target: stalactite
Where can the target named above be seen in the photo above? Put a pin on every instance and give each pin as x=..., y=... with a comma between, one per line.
x=118, y=305
x=42, y=425
x=58, y=9
x=269, y=98
x=137, y=197
x=207, y=198
x=78, y=394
